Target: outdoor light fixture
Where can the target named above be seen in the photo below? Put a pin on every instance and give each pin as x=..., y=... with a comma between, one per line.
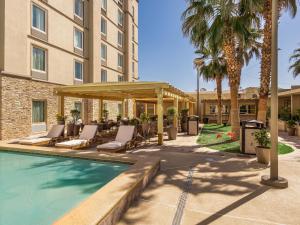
x=273, y=179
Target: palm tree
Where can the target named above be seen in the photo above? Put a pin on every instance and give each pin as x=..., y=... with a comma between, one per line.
x=265, y=70
x=211, y=65
x=227, y=24
x=296, y=63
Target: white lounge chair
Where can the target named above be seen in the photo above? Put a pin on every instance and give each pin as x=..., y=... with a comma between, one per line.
x=123, y=139
x=53, y=135
x=86, y=137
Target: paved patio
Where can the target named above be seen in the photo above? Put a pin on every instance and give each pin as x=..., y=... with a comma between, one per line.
x=201, y=186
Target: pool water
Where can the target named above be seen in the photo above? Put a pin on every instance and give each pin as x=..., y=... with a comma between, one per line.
x=38, y=190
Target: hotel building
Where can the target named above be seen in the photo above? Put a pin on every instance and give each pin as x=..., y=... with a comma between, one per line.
x=48, y=43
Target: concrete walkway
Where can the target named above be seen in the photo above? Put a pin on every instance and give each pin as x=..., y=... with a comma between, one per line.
x=200, y=186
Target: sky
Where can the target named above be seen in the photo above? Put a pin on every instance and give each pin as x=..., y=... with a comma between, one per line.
x=166, y=55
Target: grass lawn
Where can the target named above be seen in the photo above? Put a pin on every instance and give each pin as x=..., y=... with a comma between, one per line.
x=209, y=137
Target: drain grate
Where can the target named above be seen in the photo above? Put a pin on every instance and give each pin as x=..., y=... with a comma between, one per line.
x=183, y=198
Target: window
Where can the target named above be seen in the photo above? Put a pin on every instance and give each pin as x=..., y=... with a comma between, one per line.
x=225, y=109
x=120, y=18
x=120, y=60
x=104, y=4
x=38, y=59
x=103, y=52
x=78, y=106
x=120, y=1
x=133, y=50
x=133, y=12
x=78, y=39
x=132, y=68
x=38, y=111
x=78, y=5
x=38, y=18
x=120, y=109
x=103, y=76
x=78, y=70
x=120, y=39
x=248, y=109
x=132, y=32
x=212, y=109
x=120, y=78
x=103, y=26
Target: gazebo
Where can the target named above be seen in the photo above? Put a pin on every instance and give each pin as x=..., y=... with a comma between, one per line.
x=147, y=92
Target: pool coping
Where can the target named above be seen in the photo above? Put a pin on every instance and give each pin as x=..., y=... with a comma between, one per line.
x=98, y=208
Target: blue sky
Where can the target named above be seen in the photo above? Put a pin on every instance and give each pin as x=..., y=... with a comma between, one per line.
x=165, y=55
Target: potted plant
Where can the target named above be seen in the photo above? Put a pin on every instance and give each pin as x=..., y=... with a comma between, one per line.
x=119, y=118
x=172, y=130
x=105, y=114
x=263, y=148
x=145, y=123
x=184, y=119
x=60, y=119
x=291, y=127
x=73, y=126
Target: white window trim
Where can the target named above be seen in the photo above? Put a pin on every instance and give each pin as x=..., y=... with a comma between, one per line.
x=46, y=59
x=35, y=28
x=104, y=34
x=105, y=9
x=81, y=38
x=79, y=17
x=122, y=14
x=76, y=61
x=103, y=59
x=120, y=45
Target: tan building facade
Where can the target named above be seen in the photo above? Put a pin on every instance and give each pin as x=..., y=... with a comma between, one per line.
x=49, y=43
x=248, y=100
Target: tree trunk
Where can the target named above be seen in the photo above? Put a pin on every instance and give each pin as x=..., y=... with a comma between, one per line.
x=219, y=94
x=265, y=74
x=234, y=76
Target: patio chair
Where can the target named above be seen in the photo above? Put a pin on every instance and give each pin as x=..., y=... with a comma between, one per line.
x=56, y=132
x=122, y=141
x=86, y=138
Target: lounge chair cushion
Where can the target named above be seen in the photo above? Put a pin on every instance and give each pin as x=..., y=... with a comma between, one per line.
x=71, y=143
x=125, y=134
x=88, y=132
x=111, y=145
x=34, y=141
x=56, y=131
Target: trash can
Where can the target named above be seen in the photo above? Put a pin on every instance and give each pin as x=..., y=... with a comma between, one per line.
x=248, y=129
x=193, y=125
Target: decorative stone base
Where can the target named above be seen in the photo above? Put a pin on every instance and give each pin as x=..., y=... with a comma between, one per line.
x=278, y=183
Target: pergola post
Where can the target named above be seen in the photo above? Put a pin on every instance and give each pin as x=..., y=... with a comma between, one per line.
x=187, y=106
x=146, y=108
x=175, y=121
x=100, y=113
x=160, y=119
x=61, y=105
x=134, y=108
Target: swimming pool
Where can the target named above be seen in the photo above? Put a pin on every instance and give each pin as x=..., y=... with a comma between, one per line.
x=38, y=189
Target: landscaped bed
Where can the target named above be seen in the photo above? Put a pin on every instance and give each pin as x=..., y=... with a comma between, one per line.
x=219, y=137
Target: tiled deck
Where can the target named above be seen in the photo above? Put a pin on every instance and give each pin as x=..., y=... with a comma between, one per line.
x=223, y=189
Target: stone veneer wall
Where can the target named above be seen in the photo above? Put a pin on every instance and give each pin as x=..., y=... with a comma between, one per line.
x=16, y=101
x=16, y=98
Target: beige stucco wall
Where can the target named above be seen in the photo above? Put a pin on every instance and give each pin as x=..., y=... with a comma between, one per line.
x=2, y=10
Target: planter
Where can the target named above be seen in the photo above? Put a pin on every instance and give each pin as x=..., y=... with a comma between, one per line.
x=291, y=131
x=282, y=125
x=76, y=130
x=263, y=155
x=172, y=133
x=70, y=129
x=184, y=127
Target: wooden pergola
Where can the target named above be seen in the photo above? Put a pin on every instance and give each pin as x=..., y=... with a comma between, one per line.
x=152, y=92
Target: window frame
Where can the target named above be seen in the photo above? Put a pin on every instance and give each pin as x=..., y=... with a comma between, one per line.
x=81, y=63
x=120, y=56
x=44, y=111
x=105, y=22
x=105, y=47
x=120, y=34
x=45, y=18
x=103, y=81
x=105, y=9
x=75, y=14
x=82, y=37
x=45, y=60
x=120, y=18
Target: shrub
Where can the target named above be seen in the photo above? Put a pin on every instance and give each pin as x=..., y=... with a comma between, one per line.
x=262, y=137
x=291, y=123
